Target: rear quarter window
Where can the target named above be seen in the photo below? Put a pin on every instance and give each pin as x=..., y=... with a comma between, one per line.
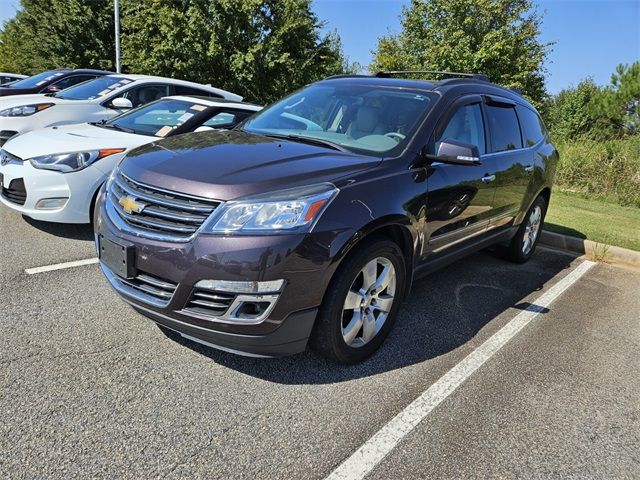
x=532, y=127
x=504, y=128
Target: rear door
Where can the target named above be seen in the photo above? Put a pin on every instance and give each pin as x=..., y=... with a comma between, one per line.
x=511, y=164
x=459, y=201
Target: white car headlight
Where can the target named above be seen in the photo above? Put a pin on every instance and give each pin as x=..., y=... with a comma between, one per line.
x=285, y=211
x=25, y=110
x=73, y=161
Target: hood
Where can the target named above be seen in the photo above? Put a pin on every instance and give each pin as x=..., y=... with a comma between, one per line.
x=230, y=164
x=19, y=100
x=71, y=138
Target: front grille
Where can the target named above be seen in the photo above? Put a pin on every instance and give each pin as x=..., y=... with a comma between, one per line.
x=209, y=303
x=15, y=192
x=169, y=213
x=150, y=286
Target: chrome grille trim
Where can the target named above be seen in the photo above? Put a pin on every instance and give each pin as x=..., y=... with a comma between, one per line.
x=144, y=287
x=165, y=215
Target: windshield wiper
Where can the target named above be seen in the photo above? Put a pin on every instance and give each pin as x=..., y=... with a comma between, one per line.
x=115, y=126
x=309, y=140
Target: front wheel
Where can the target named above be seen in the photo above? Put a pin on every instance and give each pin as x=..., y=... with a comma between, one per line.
x=524, y=243
x=361, y=303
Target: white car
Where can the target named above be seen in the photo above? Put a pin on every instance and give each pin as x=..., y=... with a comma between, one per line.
x=10, y=77
x=99, y=99
x=53, y=174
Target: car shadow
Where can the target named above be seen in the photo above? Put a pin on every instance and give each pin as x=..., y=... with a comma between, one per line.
x=65, y=230
x=572, y=232
x=443, y=312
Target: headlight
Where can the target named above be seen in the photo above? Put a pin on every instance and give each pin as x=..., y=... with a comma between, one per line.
x=25, y=110
x=71, y=162
x=296, y=210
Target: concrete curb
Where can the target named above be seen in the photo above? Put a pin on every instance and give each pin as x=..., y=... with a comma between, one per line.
x=595, y=250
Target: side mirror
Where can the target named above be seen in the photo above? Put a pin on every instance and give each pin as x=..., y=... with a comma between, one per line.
x=456, y=153
x=121, y=103
x=52, y=89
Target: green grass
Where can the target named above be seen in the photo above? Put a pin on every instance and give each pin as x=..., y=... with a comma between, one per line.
x=597, y=220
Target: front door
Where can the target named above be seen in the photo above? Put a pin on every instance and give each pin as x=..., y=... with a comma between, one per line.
x=460, y=198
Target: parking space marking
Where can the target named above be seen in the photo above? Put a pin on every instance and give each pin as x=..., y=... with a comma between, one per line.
x=373, y=451
x=60, y=266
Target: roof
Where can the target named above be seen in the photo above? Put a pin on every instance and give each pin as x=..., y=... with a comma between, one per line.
x=215, y=102
x=429, y=85
x=176, y=81
x=16, y=75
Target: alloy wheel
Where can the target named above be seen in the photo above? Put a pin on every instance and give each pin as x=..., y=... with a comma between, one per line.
x=532, y=229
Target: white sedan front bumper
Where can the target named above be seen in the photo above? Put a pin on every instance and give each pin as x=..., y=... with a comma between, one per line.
x=78, y=188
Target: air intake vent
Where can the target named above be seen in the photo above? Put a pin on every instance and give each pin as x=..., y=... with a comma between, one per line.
x=15, y=192
x=208, y=303
x=151, y=288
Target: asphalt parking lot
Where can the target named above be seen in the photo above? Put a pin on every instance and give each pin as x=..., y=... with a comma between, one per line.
x=90, y=389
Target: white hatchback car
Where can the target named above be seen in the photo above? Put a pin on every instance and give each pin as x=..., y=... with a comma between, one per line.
x=92, y=101
x=53, y=174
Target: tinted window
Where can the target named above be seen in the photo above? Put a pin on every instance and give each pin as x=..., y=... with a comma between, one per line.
x=226, y=119
x=146, y=93
x=98, y=87
x=466, y=125
x=37, y=80
x=531, y=124
x=504, y=128
x=182, y=90
x=69, y=82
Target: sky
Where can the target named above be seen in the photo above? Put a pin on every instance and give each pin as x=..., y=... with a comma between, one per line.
x=591, y=36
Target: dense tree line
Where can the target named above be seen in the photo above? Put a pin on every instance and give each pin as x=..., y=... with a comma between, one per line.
x=261, y=49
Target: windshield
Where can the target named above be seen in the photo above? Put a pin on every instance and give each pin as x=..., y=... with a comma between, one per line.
x=364, y=119
x=93, y=89
x=156, y=119
x=37, y=80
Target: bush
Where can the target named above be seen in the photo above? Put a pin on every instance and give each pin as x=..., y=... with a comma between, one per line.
x=608, y=169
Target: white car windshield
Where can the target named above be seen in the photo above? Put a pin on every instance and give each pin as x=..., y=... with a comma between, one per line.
x=367, y=119
x=93, y=89
x=161, y=118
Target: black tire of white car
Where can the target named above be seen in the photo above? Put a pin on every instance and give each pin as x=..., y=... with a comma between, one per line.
x=334, y=317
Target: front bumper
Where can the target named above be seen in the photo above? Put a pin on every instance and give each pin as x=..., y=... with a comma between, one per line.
x=302, y=261
x=78, y=188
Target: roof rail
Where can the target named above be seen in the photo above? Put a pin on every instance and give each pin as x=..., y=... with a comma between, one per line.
x=391, y=73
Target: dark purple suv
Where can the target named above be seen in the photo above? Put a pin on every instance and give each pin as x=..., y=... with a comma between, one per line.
x=309, y=222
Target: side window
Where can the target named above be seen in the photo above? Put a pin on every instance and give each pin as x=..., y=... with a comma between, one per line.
x=69, y=82
x=504, y=128
x=466, y=125
x=531, y=124
x=182, y=90
x=146, y=93
x=226, y=119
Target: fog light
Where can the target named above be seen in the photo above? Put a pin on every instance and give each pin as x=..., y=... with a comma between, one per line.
x=271, y=286
x=51, y=203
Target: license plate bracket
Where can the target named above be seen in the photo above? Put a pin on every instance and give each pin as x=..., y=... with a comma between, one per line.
x=119, y=257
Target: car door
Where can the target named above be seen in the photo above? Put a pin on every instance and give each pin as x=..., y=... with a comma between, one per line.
x=511, y=164
x=459, y=199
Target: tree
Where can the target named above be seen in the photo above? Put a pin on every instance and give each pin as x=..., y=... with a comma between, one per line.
x=570, y=113
x=618, y=106
x=260, y=49
x=499, y=38
x=48, y=34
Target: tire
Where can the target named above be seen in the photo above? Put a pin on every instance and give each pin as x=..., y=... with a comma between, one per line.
x=523, y=244
x=331, y=330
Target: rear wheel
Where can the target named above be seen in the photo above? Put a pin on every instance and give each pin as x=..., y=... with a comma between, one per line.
x=361, y=303
x=524, y=243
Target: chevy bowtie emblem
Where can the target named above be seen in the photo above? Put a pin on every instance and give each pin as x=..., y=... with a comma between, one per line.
x=130, y=205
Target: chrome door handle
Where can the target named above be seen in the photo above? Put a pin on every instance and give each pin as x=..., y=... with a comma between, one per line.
x=528, y=168
x=488, y=178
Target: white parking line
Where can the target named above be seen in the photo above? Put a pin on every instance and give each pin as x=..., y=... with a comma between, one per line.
x=60, y=266
x=363, y=460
